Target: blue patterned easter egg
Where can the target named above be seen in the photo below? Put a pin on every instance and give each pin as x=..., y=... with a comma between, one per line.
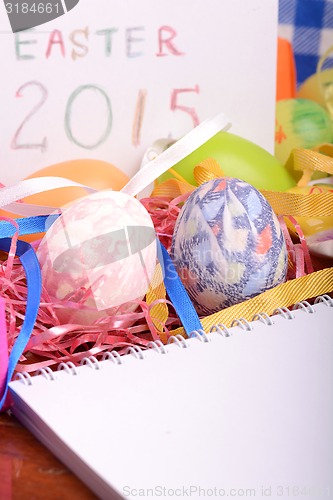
x=227, y=245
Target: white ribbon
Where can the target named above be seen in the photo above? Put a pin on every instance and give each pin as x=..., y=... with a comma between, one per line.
x=28, y=209
x=9, y=195
x=175, y=153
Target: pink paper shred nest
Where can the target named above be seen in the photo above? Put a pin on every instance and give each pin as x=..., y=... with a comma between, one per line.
x=52, y=343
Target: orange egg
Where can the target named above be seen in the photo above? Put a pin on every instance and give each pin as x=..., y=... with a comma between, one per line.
x=97, y=174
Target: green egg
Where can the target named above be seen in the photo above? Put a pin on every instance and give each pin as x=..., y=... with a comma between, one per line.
x=300, y=123
x=238, y=158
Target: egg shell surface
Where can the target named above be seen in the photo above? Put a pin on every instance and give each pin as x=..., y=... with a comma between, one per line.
x=300, y=123
x=102, y=251
x=227, y=245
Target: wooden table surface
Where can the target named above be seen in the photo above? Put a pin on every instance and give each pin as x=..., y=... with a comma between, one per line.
x=29, y=471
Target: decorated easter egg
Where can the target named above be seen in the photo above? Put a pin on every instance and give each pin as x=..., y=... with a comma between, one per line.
x=239, y=158
x=227, y=245
x=313, y=87
x=300, y=123
x=96, y=174
x=98, y=257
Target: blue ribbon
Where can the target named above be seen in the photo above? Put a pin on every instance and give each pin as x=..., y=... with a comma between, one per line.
x=27, y=225
x=178, y=295
x=31, y=267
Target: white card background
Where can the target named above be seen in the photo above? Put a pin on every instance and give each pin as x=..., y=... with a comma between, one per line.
x=79, y=96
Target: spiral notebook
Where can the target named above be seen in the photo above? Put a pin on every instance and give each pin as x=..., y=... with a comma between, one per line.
x=243, y=412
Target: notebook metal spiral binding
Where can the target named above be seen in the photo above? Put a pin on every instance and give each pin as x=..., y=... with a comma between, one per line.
x=47, y=373
x=221, y=329
x=284, y=312
x=178, y=340
x=326, y=299
x=158, y=346
x=200, y=335
x=242, y=323
x=69, y=367
x=305, y=306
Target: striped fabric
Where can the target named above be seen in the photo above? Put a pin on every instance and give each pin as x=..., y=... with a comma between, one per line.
x=308, y=25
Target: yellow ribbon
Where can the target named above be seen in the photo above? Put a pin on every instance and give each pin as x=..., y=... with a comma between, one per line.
x=300, y=205
x=325, y=149
x=172, y=188
x=159, y=312
x=305, y=205
x=307, y=161
x=287, y=294
x=207, y=170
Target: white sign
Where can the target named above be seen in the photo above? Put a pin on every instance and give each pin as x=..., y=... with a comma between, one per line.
x=110, y=77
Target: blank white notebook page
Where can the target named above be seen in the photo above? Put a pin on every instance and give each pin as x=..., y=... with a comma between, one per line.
x=248, y=413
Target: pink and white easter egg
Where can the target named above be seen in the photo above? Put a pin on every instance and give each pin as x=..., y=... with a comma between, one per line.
x=98, y=257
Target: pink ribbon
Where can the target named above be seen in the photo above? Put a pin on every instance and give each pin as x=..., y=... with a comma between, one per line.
x=3, y=347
